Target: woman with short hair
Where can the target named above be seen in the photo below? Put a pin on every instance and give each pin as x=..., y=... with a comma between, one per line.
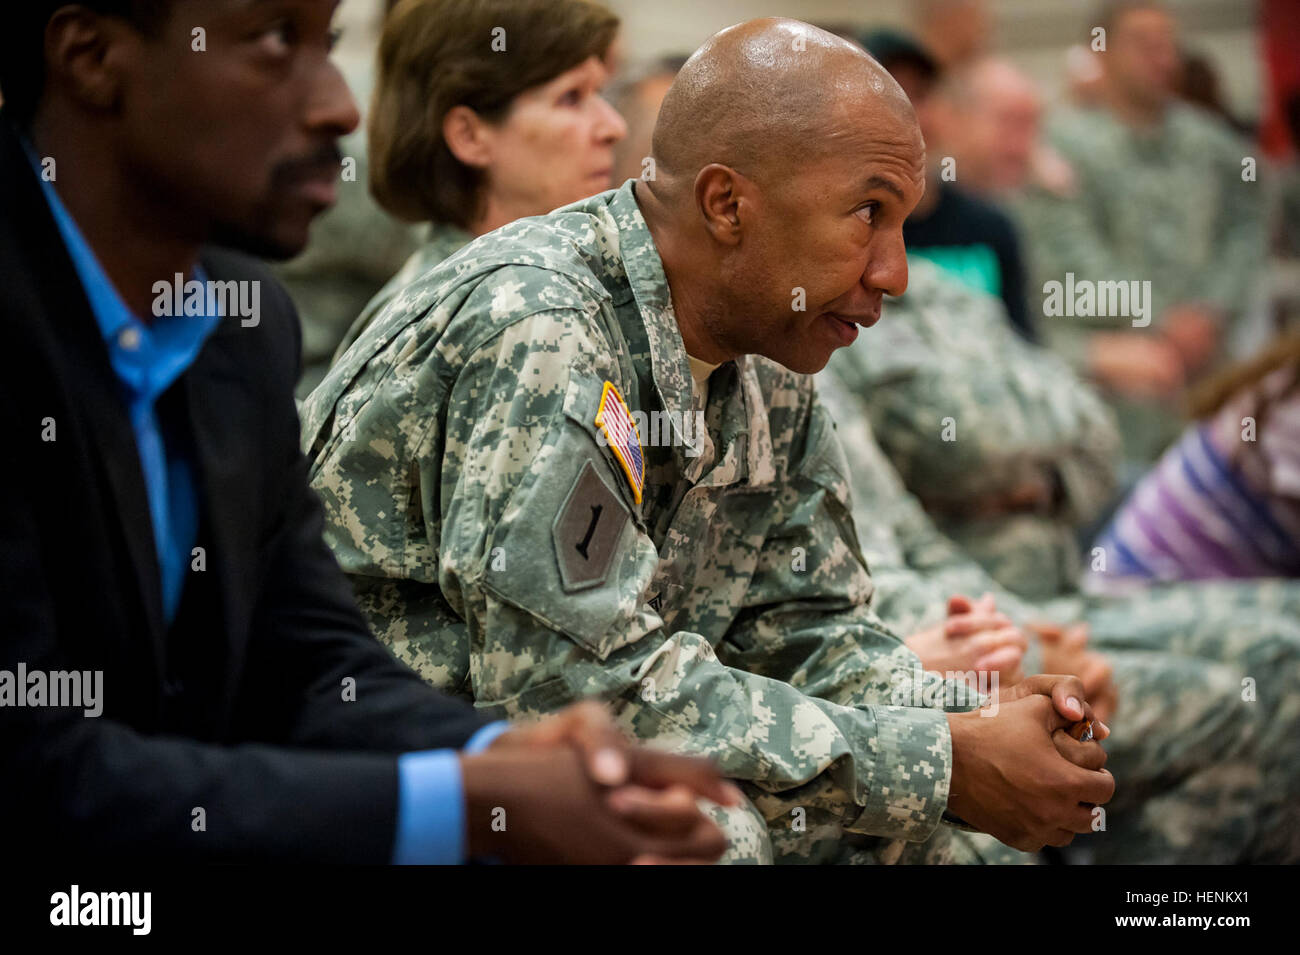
x=487, y=111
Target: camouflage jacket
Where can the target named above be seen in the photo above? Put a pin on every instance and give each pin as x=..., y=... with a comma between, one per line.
x=914, y=567
x=509, y=549
x=1169, y=206
x=442, y=241
x=968, y=412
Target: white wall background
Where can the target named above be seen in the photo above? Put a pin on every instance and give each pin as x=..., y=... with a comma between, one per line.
x=1033, y=33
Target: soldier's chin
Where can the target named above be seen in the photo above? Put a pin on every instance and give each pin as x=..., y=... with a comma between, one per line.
x=276, y=243
x=804, y=362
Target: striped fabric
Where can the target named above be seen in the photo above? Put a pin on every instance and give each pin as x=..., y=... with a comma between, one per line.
x=1218, y=504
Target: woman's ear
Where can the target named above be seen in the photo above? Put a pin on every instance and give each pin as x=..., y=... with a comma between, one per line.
x=466, y=135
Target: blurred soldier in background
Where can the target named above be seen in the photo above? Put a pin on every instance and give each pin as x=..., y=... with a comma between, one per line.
x=968, y=237
x=987, y=115
x=1161, y=193
x=1202, y=677
x=1008, y=450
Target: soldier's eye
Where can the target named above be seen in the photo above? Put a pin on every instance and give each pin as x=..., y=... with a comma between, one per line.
x=868, y=211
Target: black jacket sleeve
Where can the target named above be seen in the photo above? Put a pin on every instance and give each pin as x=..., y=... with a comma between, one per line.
x=311, y=777
x=78, y=786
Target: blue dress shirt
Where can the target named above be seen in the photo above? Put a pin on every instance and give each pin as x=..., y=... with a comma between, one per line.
x=431, y=803
x=146, y=359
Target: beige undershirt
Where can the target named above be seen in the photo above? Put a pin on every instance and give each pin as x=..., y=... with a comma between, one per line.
x=700, y=371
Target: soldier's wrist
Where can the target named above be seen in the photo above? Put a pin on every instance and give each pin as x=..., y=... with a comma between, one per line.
x=960, y=727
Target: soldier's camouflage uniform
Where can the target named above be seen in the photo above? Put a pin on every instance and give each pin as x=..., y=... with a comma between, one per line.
x=1168, y=205
x=501, y=549
x=968, y=411
x=442, y=241
x=1205, y=764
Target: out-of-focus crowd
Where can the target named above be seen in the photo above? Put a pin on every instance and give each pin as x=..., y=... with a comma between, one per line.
x=599, y=400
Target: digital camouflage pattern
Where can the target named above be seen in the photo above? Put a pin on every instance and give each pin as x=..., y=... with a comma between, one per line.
x=442, y=241
x=496, y=544
x=1169, y=206
x=969, y=412
x=1204, y=762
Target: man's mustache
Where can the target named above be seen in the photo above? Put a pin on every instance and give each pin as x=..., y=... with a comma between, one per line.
x=326, y=159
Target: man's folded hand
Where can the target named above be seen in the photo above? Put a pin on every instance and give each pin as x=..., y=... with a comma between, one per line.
x=631, y=804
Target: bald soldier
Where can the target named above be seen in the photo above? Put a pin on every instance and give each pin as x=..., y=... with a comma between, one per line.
x=582, y=458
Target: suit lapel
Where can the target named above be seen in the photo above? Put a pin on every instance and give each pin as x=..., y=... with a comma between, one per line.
x=221, y=409
x=64, y=318
x=118, y=457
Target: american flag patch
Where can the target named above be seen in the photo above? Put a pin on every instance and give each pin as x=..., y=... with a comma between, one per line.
x=620, y=430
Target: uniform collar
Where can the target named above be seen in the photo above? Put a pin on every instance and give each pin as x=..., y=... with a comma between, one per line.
x=670, y=368
x=446, y=239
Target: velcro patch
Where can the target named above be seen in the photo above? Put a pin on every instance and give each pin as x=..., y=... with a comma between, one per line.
x=621, y=434
x=587, y=529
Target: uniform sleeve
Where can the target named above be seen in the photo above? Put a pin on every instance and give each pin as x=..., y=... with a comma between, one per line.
x=914, y=567
x=1240, y=233
x=543, y=553
x=965, y=409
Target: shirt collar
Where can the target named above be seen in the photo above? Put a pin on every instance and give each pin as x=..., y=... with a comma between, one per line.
x=146, y=358
x=111, y=313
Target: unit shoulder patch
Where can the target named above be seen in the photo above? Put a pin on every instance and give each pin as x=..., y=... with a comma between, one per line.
x=587, y=529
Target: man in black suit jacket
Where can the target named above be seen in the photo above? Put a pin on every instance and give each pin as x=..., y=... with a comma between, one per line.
x=246, y=711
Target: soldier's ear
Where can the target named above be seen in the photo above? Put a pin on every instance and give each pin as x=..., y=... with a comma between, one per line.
x=467, y=136
x=718, y=196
